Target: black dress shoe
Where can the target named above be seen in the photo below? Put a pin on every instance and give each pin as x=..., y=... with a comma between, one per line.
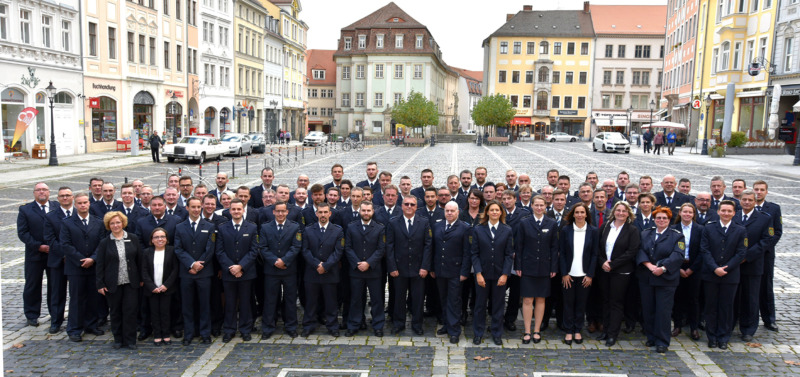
x=441, y=331
x=349, y=333
x=510, y=326
x=649, y=343
x=292, y=334
x=33, y=322
x=177, y=334
x=168, y=342
x=747, y=338
x=661, y=349
x=132, y=347
x=227, y=338
x=206, y=340
x=610, y=342
x=216, y=333
x=771, y=327
x=535, y=339
x=695, y=335
x=142, y=336
x=116, y=346
x=54, y=329
x=454, y=339
x=568, y=342
x=96, y=332
x=712, y=344
x=578, y=340
x=247, y=337
x=476, y=340
x=498, y=341
x=333, y=333
x=158, y=343
x=75, y=338
x=418, y=332
x=602, y=336
x=306, y=333
x=186, y=342
x=265, y=335
x=723, y=345
x=379, y=333
x=398, y=330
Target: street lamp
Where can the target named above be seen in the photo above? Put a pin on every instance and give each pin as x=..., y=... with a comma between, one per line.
x=224, y=115
x=174, y=111
x=652, y=108
x=238, y=109
x=707, y=102
x=51, y=94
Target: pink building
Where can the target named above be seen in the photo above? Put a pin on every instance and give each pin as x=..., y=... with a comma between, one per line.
x=677, y=94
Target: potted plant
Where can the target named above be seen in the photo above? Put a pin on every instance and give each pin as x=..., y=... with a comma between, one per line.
x=717, y=150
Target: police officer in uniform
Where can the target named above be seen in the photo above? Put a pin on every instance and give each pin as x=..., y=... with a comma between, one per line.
x=323, y=245
x=55, y=258
x=767, y=295
x=365, y=246
x=451, y=265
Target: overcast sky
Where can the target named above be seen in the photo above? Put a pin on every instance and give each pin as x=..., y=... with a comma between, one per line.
x=459, y=26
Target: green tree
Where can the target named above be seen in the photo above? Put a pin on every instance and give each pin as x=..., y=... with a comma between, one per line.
x=416, y=112
x=493, y=110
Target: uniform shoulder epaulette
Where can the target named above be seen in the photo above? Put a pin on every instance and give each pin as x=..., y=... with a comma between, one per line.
x=463, y=222
x=712, y=222
x=676, y=231
x=336, y=225
x=766, y=213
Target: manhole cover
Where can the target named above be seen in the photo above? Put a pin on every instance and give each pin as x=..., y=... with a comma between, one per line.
x=299, y=372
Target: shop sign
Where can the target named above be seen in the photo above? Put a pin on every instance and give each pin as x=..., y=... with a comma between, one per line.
x=177, y=93
x=94, y=103
x=104, y=87
x=696, y=104
x=567, y=112
x=785, y=92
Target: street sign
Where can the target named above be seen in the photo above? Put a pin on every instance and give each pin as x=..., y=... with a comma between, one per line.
x=696, y=104
x=754, y=69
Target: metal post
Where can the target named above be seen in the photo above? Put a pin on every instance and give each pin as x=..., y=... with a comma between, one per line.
x=126, y=179
x=796, y=151
x=217, y=167
x=246, y=165
x=704, y=152
x=233, y=168
x=200, y=168
x=51, y=92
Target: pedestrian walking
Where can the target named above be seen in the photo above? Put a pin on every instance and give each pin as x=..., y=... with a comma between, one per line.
x=658, y=142
x=648, y=140
x=672, y=138
x=155, y=146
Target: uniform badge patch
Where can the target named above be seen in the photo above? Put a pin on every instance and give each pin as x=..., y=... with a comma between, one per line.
x=214, y=237
x=682, y=245
x=470, y=239
x=771, y=231
x=342, y=241
x=430, y=234
x=745, y=242
x=299, y=236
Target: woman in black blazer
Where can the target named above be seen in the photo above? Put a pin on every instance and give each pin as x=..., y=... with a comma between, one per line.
x=117, y=275
x=475, y=203
x=619, y=244
x=687, y=298
x=158, y=288
x=577, y=266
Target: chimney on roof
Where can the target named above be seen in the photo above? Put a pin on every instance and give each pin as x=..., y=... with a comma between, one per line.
x=509, y=16
x=585, y=7
x=527, y=7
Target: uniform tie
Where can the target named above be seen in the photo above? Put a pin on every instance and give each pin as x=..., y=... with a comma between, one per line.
x=44, y=208
x=447, y=228
x=430, y=213
x=539, y=223
x=409, y=225
x=724, y=229
x=108, y=207
x=280, y=227
x=322, y=229
x=363, y=227
x=646, y=220
x=170, y=213
x=702, y=217
x=127, y=211
x=744, y=219
x=194, y=226
x=558, y=218
x=716, y=203
x=491, y=228
x=657, y=236
x=236, y=226
x=86, y=222
x=758, y=208
x=355, y=213
x=67, y=213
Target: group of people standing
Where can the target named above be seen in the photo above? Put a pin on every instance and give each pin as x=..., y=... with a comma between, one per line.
x=194, y=263
x=655, y=141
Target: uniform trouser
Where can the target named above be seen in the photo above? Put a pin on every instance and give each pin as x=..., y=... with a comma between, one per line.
x=315, y=293
x=411, y=288
x=512, y=308
x=766, y=297
x=301, y=283
x=344, y=291
x=386, y=279
x=177, y=308
x=574, y=299
x=217, y=309
x=57, y=285
x=657, y=304
x=749, y=287
x=482, y=297
x=594, y=306
x=432, y=301
x=154, y=154
x=719, y=310
x=272, y=292
x=196, y=303
x=554, y=301
x=468, y=295
x=686, y=310
x=159, y=313
x=237, y=302
x=450, y=296
x=144, y=322
x=83, y=302
x=614, y=288
x=257, y=296
x=123, y=305
x=32, y=294
x=358, y=286
x=633, y=303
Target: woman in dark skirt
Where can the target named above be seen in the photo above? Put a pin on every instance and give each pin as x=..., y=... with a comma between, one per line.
x=577, y=260
x=159, y=273
x=536, y=261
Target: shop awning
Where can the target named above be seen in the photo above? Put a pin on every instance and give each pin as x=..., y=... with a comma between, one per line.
x=796, y=107
x=315, y=122
x=665, y=124
x=521, y=120
x=606, y=122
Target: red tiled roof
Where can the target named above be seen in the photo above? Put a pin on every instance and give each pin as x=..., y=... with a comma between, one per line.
x=384, y=18
x=321, y=59
x=629, y=19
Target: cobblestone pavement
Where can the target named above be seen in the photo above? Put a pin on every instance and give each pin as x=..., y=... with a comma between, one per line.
x=43, y=354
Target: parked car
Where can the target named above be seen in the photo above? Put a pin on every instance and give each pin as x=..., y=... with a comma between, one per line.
x=560, y=136
x=469, y=132
x=259, y=142
x=238, y=144
x=195, y=148
x=315, y=138
x=611, y=142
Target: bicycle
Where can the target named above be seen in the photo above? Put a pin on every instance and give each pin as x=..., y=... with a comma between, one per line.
x=348, y=144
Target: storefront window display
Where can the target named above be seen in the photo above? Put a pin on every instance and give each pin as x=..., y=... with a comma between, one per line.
x=13, y=102
x=751, y=117
x=104, y=121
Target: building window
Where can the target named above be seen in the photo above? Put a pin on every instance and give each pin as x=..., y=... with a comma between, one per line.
x=517, y=48
x=360, y=71
x=65, y=32
x=528, y=77
x=378, y=71
x=645, y=77
x=618, y=101
x=556, y=48
x=544, y=47
x=397, y=98
x=141, y=49
x=92, y=39
x=501, y=76
x=152, y=51
x=570, y=51
x=726, y=55
x=418, y=43
x=541, y=100
x=417, y=71
x=318, y=74
x=751, y=117
x=526, y=102
x=398, y=41
x=131, y=48
x=398, y=71
x=362, y=42
x=348, y=42
x=359, y=99
x=178, y=60
x=556, y=102
x=762, y=48
x=378, y=99
x=312, y=93
x=379, y=41
x=504, y=47
x=567, y=102
x=642, y=52
x=514, y=99
x=620, y=77
x=556, y=77
x=531, y=48
x=4, y=21
x=582, y=77
x=637, y=77
x=749, y=52
x=606, y=77
x=178, y=10
x=585, y=48
x=568, y=78
x=621, y=51
x=104, y=121
x=544, y=73
x=166, y=56
x=606, y=101
x=609, y=51
x=661, y=54
x=581, y=102
x=737, y=53
x=345, y=72
x=515, y=77
x=46, y=30
x=787, y=51
x=345, y=99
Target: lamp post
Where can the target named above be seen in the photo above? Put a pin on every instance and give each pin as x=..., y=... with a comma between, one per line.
x=173, y=110
x=224, y=115
x=707, y=102
x=51, y=94
x=652, y=108
x=238, y=110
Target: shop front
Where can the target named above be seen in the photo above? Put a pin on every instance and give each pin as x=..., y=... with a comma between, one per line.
x=570, y=122
x=174, y=115
x=143, y=103
x=103, y=113
x=520, y=124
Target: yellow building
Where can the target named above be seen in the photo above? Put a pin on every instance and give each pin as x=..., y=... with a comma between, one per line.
x=732, y=35
x=542, y=62
x=248, y=24
x=293, y=31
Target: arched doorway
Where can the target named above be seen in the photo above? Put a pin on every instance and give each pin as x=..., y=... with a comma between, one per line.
x=64, y=123
x=143, y=113
x=195, y=124
x=174, y=115
x=209, y=121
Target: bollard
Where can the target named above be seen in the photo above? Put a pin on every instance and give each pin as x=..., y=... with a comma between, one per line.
x=295, y=153
x=180, y=170
x=246, y=165
x=126, y=179
x=233, y=168
x=304, y=153
x=200, y=168
x=217, y=167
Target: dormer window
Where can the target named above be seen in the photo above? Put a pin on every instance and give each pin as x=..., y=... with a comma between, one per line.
x=348, y=42
x=362, y=42
x=395, y=19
